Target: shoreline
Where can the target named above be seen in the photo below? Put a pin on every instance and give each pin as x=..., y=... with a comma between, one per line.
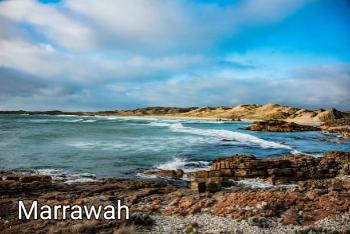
x=248, y=112
x=296, y=192
x=176, y=117
x=160, y=207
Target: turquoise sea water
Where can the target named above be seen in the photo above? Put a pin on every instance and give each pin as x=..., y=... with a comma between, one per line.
x=122, y=146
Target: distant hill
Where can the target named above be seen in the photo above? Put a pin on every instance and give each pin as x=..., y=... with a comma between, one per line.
x=247, y=112
x=250, y=112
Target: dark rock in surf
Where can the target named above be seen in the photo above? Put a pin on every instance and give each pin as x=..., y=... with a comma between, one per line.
x=280, y=126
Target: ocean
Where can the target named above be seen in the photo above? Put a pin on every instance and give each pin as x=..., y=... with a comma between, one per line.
x=82, y=148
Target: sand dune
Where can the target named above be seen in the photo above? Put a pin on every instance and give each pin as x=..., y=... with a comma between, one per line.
x=247, y=112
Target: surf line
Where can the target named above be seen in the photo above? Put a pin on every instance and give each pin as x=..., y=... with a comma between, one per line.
x=75, y=212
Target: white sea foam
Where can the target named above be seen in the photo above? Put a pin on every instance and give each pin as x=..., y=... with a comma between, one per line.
x=80, y=180
x=40, y=120
x=159, y=124
x=111, y=118
x=67, y=115
x=69, y=178
x=83, y=145
x=296, y=152
x=168, y=122
x=242, y=138
x=187, y=166
x=139, y=146
x=56, y=174
x=89, y=121
x=72, y=120
x=56, y=120
x=176, y=163
x=125, y=118
x=141, y=175
x=193, y=121
x=254, y=183
x=259, y=183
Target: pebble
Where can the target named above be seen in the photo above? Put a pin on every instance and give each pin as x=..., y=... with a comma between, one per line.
x=217, y=225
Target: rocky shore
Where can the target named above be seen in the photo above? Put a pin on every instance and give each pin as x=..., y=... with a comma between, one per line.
x=295, y=194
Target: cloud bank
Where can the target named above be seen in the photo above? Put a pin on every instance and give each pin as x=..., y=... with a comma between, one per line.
x=93, y=55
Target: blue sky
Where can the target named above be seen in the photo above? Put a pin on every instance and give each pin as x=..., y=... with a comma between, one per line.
x=116, y=54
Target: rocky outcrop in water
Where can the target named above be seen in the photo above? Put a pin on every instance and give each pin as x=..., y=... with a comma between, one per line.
x=280, y=126
x=337, y=126
x=344, y=132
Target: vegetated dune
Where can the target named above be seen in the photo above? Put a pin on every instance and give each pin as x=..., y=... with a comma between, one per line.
x=249, y=112
x=245, y=112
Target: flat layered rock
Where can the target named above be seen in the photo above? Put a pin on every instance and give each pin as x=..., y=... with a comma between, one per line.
x=281, y=170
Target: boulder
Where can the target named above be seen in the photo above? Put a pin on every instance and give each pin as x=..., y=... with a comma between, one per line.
x=214, y=184
x=261, y=222
x=39, y=178
x=141, y=219
x=198, y=186
x=10, y=177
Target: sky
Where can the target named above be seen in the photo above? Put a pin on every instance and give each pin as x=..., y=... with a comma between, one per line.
x=87, y=55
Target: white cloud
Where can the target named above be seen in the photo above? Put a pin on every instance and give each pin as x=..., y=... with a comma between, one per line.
x=43, y=61
x=50, y=22
x=323, y=86
x=90, y=54
x=34, y=59
x=148, y=25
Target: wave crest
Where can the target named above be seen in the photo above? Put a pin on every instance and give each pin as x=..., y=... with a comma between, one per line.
x=187, y=166
x=242, y=138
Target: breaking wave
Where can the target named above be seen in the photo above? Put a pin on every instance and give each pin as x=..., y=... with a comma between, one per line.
x=159, y=124
x=226, y=135
x=187, y=166
x=89, y=121
x=125, y=118
x=56, y=120
x=169, y=122
x=63, y=120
